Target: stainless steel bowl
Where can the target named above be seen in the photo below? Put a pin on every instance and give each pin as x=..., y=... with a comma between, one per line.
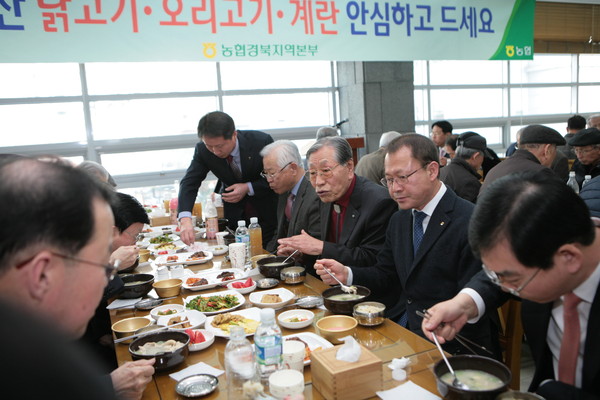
x=369, y=313
x=293, y=275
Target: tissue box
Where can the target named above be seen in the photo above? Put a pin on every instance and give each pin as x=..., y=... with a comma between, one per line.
x=159, y=221
x=336, y=379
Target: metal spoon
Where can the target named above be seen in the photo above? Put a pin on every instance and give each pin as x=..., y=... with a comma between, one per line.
x=307, y=302
x=455, y=382
x=345, y=288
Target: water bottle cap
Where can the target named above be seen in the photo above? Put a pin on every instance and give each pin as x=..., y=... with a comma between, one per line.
x=236, y=332
x=267, y=314
x=588, y=177
x=241, y=223
x=571, y=173
x=254, y=220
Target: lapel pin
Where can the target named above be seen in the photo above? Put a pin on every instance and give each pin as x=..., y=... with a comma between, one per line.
x=442, y=223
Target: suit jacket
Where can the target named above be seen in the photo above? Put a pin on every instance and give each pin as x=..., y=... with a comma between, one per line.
x=443, y=264
x=305, y=214
x=371, y=166
x=365, y=222
x=264, y=201
x=536, y=318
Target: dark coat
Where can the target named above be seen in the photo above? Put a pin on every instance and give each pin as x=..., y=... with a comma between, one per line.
x=462, y=178
x=590, y=193
x=521, y=160
x=443, y=264
x=264, y=201
x=365, y=222
x=305, y=214
x=582, y=170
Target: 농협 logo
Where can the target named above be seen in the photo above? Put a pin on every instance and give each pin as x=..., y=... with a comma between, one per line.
x=510, y=51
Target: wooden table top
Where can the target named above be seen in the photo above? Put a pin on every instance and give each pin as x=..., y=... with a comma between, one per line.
x=387, y=341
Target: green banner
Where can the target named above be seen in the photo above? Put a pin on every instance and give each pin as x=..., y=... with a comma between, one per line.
x=219, y=30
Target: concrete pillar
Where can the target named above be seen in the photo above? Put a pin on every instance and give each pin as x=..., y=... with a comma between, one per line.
x=376, y=97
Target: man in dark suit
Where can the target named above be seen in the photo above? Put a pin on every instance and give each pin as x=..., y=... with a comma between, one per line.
x=426, y=257
x=354, y=212
x=234, y=158
x=537, y=241
x=298, y=206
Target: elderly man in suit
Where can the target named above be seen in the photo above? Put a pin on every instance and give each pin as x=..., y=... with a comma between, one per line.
x=354, y=212
x=298, y=207
x=537, y=241
x=233, y=156
x=426, y=257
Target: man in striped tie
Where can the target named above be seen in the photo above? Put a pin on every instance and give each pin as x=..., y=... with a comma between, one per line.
x=537, y=241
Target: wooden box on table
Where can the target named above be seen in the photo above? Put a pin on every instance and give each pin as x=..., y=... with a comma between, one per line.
x=337, y=380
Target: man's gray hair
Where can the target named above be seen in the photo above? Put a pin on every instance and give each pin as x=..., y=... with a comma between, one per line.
x=326, y=131
x=286, y=152
x=465, y=152
x=387, y=137
x=343, y=151
x=591, y=117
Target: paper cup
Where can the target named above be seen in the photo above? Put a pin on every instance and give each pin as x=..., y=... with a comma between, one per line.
x=294, y=352
x=237, y=255
x=221, y=238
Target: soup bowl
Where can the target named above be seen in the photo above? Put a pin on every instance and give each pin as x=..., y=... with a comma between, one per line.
x=476, y=363
x=270, y=267
x=165, y=360
x=335, y=327
x=136, y=285
x=340, y=305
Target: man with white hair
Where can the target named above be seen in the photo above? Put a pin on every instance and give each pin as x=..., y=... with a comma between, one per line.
x=371, y=165
x=298, y=205
x=593, y=121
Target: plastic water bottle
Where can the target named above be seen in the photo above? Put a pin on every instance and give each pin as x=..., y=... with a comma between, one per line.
x=243, y=236
x=240, y=362
x=586, y=180
x=572, y=182
x=268, y=345
x=212, y=220
x=255, y=231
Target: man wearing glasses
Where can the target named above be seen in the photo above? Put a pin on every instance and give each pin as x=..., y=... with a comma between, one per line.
x=537, y=241
x=57, y=233
x=233, y=156
x=586, y=144
x=354, y=212
x=298, y=206
x=426, y=257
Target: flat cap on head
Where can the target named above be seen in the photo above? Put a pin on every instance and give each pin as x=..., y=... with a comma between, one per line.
x=541, y=134
x=585, y=137
x=473, y=140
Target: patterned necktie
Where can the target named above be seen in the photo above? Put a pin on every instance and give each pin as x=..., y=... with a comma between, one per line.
x=569, y=347
x=237, y=173
x=418, y=217
x=288, y=206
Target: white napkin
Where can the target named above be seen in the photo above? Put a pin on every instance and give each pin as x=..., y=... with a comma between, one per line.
x=122, y=303
x=408, y=390
x=200, y=368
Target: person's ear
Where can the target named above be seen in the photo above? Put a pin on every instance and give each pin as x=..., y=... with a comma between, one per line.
x=570, y=257
x=40, y=274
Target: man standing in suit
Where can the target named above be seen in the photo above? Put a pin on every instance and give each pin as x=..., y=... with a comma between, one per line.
x=298, y=207
x=234, y=158
x=426, y=257
x=354, y=212
x=537, y=241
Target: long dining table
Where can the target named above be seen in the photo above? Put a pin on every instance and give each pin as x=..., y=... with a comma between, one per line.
x=387, y=341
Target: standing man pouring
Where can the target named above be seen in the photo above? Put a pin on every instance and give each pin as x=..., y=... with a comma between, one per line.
x=234, y=158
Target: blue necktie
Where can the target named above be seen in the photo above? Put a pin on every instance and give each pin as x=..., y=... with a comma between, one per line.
x=418, y=217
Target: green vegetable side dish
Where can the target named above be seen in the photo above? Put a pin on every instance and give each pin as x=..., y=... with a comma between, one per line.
x=161, y=239
x=213, y=303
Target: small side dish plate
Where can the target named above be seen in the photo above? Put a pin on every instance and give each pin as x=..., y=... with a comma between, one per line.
x=197, y=385
x=285, y=295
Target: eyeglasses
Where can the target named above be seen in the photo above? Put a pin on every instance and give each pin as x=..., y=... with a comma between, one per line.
x=271, y=176
x=324, y=173
x=109, y=269
x=584, y=150
x=400, y=180
x=498, y=279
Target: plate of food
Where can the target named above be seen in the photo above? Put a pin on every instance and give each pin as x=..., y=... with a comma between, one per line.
x=248, y=318
x=313, y=342
x=274, y=298
x=218, y=250
x=211, y=278
x=189, y=319
x=168, y=247
x=188, y=258
x=153, y=231
x=215, y=303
